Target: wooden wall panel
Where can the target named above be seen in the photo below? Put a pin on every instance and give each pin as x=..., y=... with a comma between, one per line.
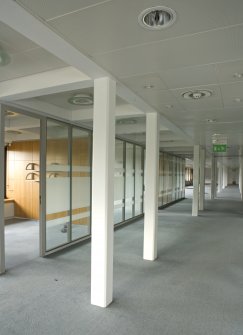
x=24, y=192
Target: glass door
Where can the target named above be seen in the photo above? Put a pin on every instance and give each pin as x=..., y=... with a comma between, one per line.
x=58, y=173
x=66, y=185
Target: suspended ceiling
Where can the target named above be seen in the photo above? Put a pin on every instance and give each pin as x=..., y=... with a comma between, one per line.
x=202, y=50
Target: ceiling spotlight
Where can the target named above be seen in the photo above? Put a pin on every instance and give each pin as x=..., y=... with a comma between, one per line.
x=81, y=99
x=238, y=75
x=4, y=57
x=156, y=18
x=196, y=95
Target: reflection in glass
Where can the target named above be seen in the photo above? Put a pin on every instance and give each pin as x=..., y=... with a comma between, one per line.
x=57, y=185
x=129, y=197
x=138, y=180
x=119, y=182
x=80, y=183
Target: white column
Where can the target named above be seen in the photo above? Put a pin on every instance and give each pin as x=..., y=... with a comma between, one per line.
x=202, y=180
x=196, y=161
x=213, y=179
x=225, y=176
x=103, y=192
x=241, y=177
x=220, y=177
x=2, y=167
x=151, y=187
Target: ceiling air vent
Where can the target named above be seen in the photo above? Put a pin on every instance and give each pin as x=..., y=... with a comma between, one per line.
x=81, y=99
x=157, y=18
x=195, y=95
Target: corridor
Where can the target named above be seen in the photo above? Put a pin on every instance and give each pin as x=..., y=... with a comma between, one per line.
x=195, y=287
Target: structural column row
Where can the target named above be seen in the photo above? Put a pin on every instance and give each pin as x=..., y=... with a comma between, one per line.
x=103, y=190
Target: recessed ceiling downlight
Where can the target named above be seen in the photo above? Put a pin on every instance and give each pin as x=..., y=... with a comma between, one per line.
x=81, y=99
x=157, y=18
x=195, y=95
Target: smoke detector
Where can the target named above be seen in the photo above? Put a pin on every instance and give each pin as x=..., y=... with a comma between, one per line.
x=196, y=95
x=157, y=18
x=81, y=99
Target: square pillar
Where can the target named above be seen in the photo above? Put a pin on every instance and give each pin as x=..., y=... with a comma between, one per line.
x=196, y=176
x=202, y=180
x=225, y=176
x=241, y=177
x=151, y=187
x=213, y=177
x=2, y=181
x=103, y=192
x=220, y=177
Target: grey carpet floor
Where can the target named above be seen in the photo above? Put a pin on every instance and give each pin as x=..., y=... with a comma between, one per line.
x=195, y=287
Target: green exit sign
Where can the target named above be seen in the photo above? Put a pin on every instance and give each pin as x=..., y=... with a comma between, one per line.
x=219, y=148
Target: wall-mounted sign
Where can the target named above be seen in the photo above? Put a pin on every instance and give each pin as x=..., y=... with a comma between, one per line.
x=219, y=147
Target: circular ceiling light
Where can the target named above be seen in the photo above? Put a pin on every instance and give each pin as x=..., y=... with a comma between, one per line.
x=195, y=95
x=81, y=99
x=157, y=18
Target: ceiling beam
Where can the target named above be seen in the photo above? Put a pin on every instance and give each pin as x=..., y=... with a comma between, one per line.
x=49, y=82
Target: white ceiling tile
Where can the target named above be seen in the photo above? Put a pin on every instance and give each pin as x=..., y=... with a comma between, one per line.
x=47, y=9
x=207, y=48
x=138, y=83
x=158, y=98
x=27, y=63
x=12, y=41
x=189, y=76
x=114, y=24
x=227, y=70
x=230, y=92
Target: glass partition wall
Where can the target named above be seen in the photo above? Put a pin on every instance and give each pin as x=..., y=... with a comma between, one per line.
x=68, y=181
x=65, y=182
x=129, y=180
x=171, y=178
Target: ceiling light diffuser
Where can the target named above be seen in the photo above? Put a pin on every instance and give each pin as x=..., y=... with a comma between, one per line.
x=81, y=99
x=196, y=95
